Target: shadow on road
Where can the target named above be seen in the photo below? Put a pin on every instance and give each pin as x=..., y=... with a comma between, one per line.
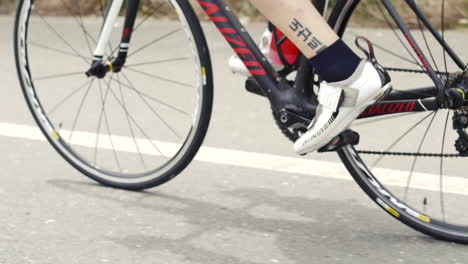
x=333, y=230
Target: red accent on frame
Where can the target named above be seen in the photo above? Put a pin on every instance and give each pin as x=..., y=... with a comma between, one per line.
x=236, y=39
x=227, y=30
x=218, y=19
x=384, y=109
x=210, y=8
x=233, y=37
x=127, y=31
x=254, y=67
x=418, y=52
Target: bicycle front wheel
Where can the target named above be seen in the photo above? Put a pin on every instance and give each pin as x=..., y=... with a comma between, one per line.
x=134, y=129
x=408, y=163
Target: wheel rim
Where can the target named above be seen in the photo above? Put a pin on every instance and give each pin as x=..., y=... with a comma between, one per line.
x=427, y=185
x=142, y=124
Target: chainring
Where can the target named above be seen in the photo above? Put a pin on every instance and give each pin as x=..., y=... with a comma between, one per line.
x=304, y=82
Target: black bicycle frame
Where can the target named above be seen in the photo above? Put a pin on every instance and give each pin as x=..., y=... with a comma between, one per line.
x=416, y=100
x=243, y=45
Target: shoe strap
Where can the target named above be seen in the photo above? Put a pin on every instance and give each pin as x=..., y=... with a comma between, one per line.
x=330, y=96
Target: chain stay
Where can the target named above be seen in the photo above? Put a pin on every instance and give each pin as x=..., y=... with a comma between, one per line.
x=413, y=154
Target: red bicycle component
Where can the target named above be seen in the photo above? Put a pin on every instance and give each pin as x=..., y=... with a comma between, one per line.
x=283, y=51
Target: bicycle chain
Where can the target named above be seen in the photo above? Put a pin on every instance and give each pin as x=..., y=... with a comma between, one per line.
x=293, y=138
x=412, y=154
x=413, y=71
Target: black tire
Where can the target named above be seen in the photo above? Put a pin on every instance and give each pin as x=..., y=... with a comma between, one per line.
x=148, y=179
x=394, y=206
x=361, y=173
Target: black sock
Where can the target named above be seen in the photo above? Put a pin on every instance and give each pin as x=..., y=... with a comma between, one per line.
x=335, y=63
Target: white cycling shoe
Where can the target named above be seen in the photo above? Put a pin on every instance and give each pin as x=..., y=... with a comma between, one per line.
x=340, y=103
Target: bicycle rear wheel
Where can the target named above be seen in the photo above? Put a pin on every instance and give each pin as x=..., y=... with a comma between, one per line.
x=134, y=129
x=407, y=163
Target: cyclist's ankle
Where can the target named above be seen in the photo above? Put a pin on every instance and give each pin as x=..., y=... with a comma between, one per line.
x=335, y=63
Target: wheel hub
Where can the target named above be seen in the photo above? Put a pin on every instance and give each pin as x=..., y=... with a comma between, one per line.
x=100, y=70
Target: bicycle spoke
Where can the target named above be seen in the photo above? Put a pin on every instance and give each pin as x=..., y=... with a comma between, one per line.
x=442, y=204
x=78, y=20
x=427, y=44
x=413, y=165
x=154, y=99
x=390, y=52
x=401, y=138
x=106, y=122
x=57, y=76
x=157, y=62
x=63, y=40
x=136, y=123
x=98, y=130
x=105, y=125
x=153, y=42
x=147, y=17
x=69, y=96
x=443, y=33
x=55, y=50
x=396, y=34
x=80, y=23
x=415, y=179
x=130, y=127
x=86, y=34
x=160, y=78
x=135, y=28
x=80, y=107
x=153, y=110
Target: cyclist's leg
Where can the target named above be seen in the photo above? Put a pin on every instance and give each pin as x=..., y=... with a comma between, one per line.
x=304, y=25
x=301, y=22
x=350, y=84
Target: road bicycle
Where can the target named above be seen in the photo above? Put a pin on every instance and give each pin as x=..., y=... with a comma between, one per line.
x=96, y=110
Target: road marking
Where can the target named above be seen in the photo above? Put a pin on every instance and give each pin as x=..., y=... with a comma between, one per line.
x=230, y=157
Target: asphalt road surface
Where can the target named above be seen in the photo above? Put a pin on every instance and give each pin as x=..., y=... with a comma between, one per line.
x=217, y=210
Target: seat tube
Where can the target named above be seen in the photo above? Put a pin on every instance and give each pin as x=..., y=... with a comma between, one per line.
x=106, y=31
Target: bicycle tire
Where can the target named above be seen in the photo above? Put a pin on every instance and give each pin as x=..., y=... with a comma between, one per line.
x=370, y=184
x=189, y=148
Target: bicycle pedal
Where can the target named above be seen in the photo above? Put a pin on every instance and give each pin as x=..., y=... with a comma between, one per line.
x=348, y=137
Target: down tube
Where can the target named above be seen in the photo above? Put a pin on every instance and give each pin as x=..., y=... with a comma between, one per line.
x=236, y=35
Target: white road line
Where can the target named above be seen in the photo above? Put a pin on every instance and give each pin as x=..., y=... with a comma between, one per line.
x=315, y=168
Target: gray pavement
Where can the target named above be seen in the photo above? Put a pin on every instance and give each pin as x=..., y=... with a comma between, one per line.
x=211, y=213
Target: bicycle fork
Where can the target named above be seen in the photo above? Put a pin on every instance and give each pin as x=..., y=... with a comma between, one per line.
x=100, y=68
